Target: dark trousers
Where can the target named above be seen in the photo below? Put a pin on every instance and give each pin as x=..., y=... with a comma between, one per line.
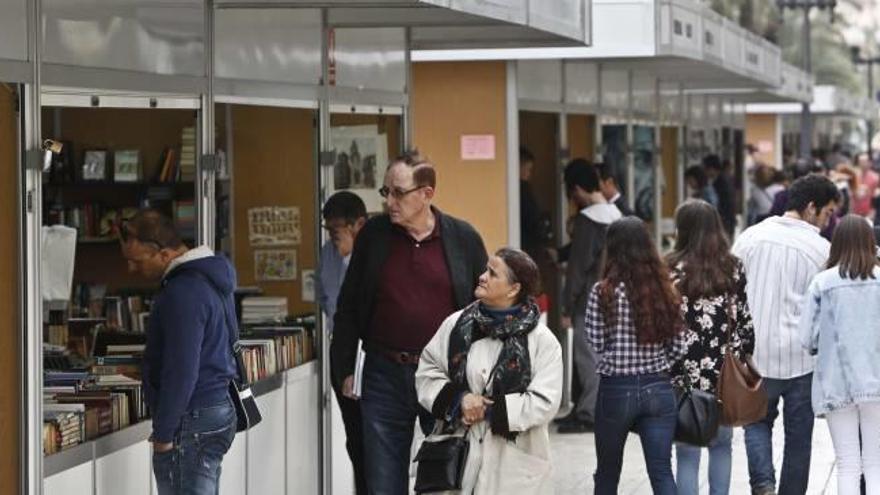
x=796, y=394
x=645, y=403
x=354, y=436
x=389, y=408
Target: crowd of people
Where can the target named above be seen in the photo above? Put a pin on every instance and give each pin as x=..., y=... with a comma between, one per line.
x=454, y=340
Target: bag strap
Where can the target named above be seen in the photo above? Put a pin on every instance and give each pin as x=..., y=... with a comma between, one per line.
x=232, y=327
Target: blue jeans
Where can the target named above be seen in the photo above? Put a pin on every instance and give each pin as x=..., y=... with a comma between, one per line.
x=798, y=423
x=192, y=467
x=389, y=408
x=687, y=475
x=647, y=404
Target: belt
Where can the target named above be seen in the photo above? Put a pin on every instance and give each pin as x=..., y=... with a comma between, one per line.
x=399, y=357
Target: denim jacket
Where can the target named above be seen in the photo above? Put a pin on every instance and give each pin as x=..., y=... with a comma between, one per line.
x=840, y=324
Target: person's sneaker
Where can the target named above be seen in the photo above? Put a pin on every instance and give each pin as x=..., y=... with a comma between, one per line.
x=767, y=490
x=576, y=427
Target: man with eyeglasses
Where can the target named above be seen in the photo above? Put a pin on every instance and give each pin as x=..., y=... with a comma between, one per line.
x=344, y=216
x=188, y=361
x=410, y=269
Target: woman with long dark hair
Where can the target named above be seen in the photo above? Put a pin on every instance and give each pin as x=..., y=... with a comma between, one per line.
x=712, y=284
x=840, y=324
x=633, y=321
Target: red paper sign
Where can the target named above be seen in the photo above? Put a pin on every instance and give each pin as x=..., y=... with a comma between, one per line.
x=478, y=147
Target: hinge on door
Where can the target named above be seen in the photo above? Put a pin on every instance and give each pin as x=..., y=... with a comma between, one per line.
x=29, y=202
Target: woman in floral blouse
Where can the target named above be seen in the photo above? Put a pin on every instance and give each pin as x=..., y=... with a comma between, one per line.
x=712, y=284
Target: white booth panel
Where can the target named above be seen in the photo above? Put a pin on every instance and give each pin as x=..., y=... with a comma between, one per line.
x=281, y=45
x=265, y=447
x=539, y=80
x=582, y=83
x=733, y=45
x=303, y=433
x=505, y=10
x=644, y=95
x=566, y=17
x=233, y=477
x=670, y=101
x=341, y=471
x=712, y=36
x=713, y=110
x=696, y=110
x=13, y=31
x=615, y=89
x=124, y=471
x=74, y=481
x=636, y=35
x=139, y=35
x=373, y=58
x=680, y=28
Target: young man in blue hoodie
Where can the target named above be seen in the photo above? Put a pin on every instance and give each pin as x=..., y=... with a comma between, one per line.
x=188, y=361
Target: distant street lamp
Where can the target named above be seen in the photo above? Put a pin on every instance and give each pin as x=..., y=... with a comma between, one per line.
x=870, y=61
x=807, y=6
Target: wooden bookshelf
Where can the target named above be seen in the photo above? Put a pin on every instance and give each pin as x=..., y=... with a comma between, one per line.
x=99, y=259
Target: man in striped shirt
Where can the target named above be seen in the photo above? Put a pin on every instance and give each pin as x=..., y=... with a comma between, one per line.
x=781, y=255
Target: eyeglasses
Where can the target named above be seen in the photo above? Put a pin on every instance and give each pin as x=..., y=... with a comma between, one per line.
x=396, y=193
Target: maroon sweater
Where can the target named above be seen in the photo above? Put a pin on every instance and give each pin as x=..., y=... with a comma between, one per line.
x=414, y=294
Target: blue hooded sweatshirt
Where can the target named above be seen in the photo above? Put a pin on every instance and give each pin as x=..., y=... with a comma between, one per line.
x=188, y=362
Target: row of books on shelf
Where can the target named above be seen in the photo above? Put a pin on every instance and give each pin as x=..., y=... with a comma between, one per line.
x=177, y=163
x=79, y=406
x=266, y=351
x=85, y=399
x=98, y=222
x=118, y=312
x=91, y=220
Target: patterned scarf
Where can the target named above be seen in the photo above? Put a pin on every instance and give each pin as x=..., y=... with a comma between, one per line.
x=513, y=370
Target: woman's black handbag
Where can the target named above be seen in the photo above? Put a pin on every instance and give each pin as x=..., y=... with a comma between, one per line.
x=698, y=415
x=441, y=464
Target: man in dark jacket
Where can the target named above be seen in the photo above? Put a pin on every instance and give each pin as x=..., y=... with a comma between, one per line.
x=582, y=271
x=410, y=269
x=724, y=189
x=610, y=190
x=188, y=361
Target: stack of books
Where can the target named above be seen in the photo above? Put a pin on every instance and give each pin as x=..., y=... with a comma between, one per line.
x=188, y=154
x=262, y=309
x=62, y=427
x=269, y=350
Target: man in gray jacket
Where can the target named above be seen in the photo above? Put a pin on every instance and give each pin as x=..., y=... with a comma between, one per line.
x=582, y=186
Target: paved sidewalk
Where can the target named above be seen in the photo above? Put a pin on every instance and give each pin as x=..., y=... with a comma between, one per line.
x=574, y=459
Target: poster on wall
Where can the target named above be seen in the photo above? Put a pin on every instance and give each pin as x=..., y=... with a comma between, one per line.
x=274, y=226
x=275, y=265
x=361, y=159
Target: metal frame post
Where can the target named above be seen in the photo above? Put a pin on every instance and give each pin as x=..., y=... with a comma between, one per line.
x=326, y=391
x=30, y=202
x=207, y=168
x=514, y=234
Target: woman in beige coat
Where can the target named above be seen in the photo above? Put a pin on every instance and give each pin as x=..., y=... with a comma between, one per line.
x=497, y=337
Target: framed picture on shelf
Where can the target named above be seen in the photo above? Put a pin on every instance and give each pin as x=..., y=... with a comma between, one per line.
x=126, y=166
x=94, y=165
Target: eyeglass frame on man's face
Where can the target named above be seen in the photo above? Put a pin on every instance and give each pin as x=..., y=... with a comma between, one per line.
x=396, y=193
